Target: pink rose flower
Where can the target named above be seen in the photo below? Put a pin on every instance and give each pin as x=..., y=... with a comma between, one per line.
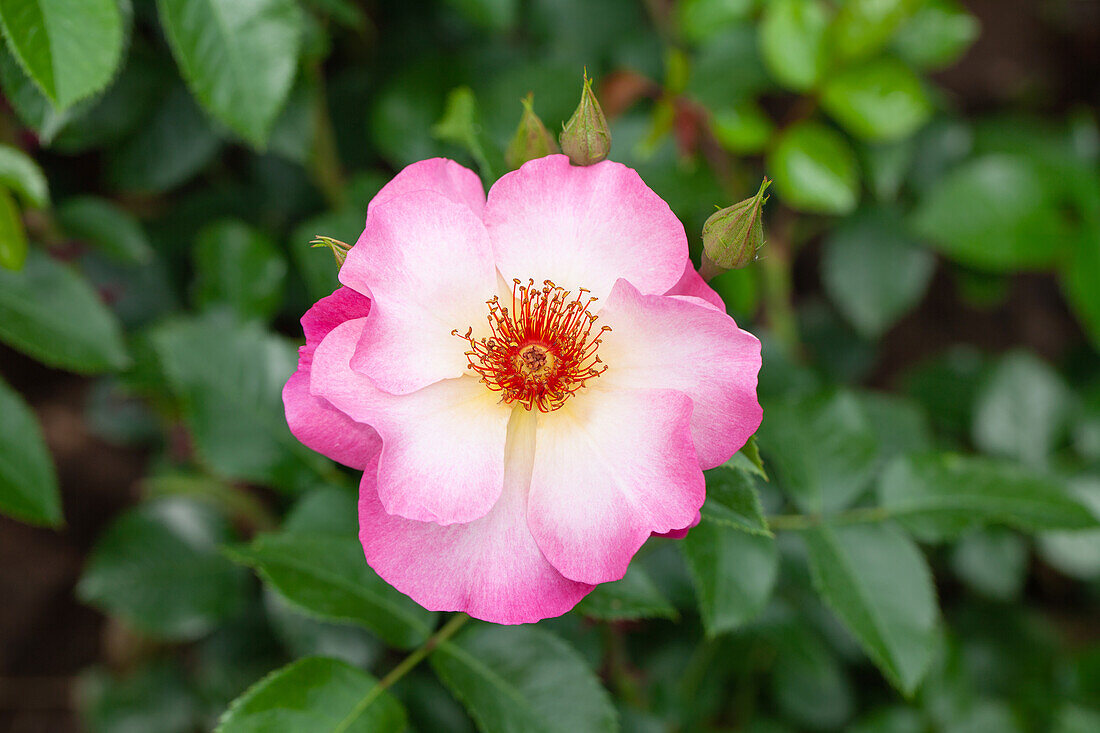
x=531, y=383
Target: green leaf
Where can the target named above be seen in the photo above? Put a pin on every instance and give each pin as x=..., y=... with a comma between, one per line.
x=1078, y=280
x=793, y=42
x=229, y=500
x=887, y=166
x=315, y=695
x=748, y=459
x=993, y=562
x=28, y=483
x=809, y=684
x=873, y=272
x=698, y=20
x=106, y=226
x=13, y=238
x=1075, y=552
x=305, y=636
x=882, y=100
x=493, y=15
x=822, y=448
x=28, y=101
x=1022, y=409
x=20, y=173
x=327, y=510
x=633, y=597
x=742, y=128
x=996, y=213
x=900, y=424
x=169, y=149
x=739, y=290
x=239, y=58
x=734, y=573
x=945, y=386
x=329, y=578
x=70, y=48
x=344, y=12
x=228, y=377
x=293, y=133
x=229, y=661
x=937, y=35
x=943, y=494
x=862, y=27
x=239, y=266
x=711, y=83
x=153, y=697
x=877, y=581
x=52, y=314
x=431, y=707
x=128, y=102
x=158, y=567
x=520, y=678
x=1076, y=719
x=896, y=719
x=732, y=501
x=406, y=107
x=815, y=169
x=460, y=125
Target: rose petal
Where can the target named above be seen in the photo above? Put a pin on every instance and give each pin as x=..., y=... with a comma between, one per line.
x=490, y=568
x=679, y=534
x=660, y=342
x=313, y=420
x=612, y=467
x=446, y=177
x=428, y=267
x=693, y=284
x=584, y=226
x=442, y=447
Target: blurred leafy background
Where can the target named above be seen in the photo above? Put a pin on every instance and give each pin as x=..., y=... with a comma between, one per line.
x=925, y=552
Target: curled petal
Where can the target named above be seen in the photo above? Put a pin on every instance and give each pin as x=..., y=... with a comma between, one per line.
x=313, y=420
x=692, y=284
x=679, y=534
x=679, y=343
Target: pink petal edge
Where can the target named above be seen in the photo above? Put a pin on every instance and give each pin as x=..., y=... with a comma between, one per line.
x=691, y=283
x=313, y=420
x=584, y=227
x=490, y=568
x=677, y=342
x=611, y=469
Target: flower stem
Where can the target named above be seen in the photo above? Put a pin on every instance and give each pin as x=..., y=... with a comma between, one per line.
x=799, y=522
x=779, y=306
x=445, y=632
x=325, y=166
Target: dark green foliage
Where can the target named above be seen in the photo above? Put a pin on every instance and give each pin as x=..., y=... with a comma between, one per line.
x=922, y=556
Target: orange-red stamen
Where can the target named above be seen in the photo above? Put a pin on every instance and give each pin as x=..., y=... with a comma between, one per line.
x=542, y=350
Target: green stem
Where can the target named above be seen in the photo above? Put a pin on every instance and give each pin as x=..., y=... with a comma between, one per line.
x=445, y=632
x=325, y=166
x=776, y=269
x=799, y=522
x=615, y=659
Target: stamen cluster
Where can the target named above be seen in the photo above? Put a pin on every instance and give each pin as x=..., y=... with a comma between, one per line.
x=542, y=349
